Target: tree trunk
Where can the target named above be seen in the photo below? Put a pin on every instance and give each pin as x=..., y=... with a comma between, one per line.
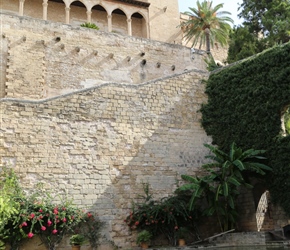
x=206, y=31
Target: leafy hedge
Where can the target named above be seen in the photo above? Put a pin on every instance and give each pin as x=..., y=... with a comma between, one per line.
x=245, y=102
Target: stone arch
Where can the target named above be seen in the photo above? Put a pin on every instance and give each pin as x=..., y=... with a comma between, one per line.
x=119, y=21
x=139, y=25
x=78, y=12
x=99, y=17
x=56, y=11
x=33, y=8
x=264, y=212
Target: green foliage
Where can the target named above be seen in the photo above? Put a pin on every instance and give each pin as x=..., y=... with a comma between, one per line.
x=39, y=213
x=162, y=217
x=211, y=64
x=91, y=227
x=243, y=44
x=144, y=236
x=267, y=18
x=207, y=25
x=77, y=240
x=245, y=103
x=90, y=26
x=220, y=186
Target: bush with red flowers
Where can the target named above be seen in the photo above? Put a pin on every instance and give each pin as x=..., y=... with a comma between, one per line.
x=161, y=217
x=51, y=218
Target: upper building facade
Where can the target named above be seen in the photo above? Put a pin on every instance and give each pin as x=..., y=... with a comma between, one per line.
x=157, y=20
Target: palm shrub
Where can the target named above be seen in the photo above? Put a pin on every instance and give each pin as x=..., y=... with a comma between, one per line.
x=207, y=24
x=220, y=186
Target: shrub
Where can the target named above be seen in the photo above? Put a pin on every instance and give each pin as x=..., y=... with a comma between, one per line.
x=161, y=217
x=90, y=26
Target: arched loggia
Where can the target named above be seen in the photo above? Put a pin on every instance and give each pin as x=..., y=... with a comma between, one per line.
x=119, y=22
x=100, y=17
x=139, y=25
x=78, y=13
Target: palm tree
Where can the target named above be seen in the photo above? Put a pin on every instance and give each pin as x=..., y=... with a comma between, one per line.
x=206, y=25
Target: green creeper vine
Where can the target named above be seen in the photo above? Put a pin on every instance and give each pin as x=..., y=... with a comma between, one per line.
x=245, y=105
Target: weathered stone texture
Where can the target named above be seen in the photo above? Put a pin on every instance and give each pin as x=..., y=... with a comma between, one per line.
x=40, y=66
x=100, y=144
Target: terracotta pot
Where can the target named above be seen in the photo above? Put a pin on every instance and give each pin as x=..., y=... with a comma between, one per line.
x=75, y=247
x=181, y=242
x=144, y=245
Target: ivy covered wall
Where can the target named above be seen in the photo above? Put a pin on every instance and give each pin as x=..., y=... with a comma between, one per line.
x=246, y=102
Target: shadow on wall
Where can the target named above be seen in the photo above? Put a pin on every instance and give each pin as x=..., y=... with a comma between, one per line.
x=99, y=145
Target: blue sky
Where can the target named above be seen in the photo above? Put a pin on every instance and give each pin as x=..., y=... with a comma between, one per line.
x=229, y=5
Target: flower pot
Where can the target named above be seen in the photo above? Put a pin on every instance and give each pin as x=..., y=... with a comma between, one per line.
x=75, y=247
x=144, y=245
x=181, y=242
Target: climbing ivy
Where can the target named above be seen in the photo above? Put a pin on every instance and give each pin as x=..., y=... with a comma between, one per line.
x=245, y=104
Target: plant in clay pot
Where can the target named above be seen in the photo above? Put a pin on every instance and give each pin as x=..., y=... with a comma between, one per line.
x=181, y=235
x=143, y=238
x=76, y=241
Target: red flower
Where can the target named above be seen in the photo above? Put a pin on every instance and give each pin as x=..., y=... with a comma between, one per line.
x=55, y=211
x=24, y=224
x=136, y=223
x=32, y=216
x=43, y=228
x=30, y=235
x=64, y=219
x=90, y=215
x=40, y=210
x=176, y=227
x=49, y=223
x=63, y=209
x=54, y=231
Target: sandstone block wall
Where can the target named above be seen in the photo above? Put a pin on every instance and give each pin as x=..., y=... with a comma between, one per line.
x=101, y=143
x=45, y=59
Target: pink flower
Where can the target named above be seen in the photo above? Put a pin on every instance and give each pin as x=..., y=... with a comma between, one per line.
x=24, y=224
x=40, y=210
x=64, y=219
x=54, y=231
x=43, y=228
x=32, y=216
x=30, y=235
x=90, y=215
x=49, y=223
x=55, y=211
x=137, y=223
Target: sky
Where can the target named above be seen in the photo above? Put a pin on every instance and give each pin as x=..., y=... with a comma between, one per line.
x=229, y=5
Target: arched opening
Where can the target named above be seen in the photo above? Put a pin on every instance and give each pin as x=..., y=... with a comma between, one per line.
x=33, y=8
x=99, y=17
x=11, y=6
x=78, y=13
x=264, y=213
x=285, y=121
x=119, y=22
x=139, y=25
x=56, y=11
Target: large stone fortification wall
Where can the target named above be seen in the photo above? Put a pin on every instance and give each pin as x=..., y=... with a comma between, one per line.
x=42, y=59
x=100, y=144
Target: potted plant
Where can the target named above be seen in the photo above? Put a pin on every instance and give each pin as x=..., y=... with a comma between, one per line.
x=76, y=241
x=143, y=239
x=181, y=235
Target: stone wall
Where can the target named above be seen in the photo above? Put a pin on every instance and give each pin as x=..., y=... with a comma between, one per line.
x=101, y=143
x=42, y=59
